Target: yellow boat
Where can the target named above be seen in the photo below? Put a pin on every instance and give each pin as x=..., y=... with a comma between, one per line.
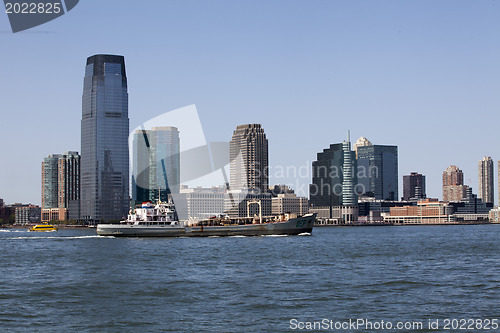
x=43, y=227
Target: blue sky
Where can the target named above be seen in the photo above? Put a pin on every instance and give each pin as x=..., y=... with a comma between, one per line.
x=422, y=75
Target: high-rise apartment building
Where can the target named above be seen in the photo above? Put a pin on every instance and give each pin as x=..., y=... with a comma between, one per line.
x=61, y=185
x=156, y=163
x=50, y=181
x=414, y=186
x=453, y=184
x=486, y=179
x=249, y=157
x=378, y=170
x=453, y=176
x=68, y=179
x=105, y=129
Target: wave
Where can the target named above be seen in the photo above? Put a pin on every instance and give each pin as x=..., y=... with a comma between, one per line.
x=62, y=237
x=14, y=230
x=275, y=235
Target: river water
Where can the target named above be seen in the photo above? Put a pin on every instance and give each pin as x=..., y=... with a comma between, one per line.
x=73, y=280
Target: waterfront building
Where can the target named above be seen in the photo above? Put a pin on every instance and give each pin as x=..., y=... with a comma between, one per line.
x=7, y=212
x=156, y=164
x=50, y=179
x=201, y=203
x=427, y=211
x=433, y=211
x=68, y=169
x=27, y=214
x=104, y=142
x=54, y=214
x=289, y=203
x=327, y=188
x=333, y=192
x=471, y=204
x=378, y=171
x=414, y=187
x=240, y=203
x=454, y=189
x=349, y=172
x=486, y=186
x=248, y=152
x=371, y=209
x=61, y=185
x=494, y=215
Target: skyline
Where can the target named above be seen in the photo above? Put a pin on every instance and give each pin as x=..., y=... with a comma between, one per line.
x=318, y=67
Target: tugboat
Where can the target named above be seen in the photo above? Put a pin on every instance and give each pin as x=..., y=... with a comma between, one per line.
x=43, y=227
x=159, y=221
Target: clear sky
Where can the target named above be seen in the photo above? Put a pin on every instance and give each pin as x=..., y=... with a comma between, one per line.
x=422, y=75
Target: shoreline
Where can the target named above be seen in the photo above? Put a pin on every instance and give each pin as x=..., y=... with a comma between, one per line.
x=59, y=226
x=401, y=224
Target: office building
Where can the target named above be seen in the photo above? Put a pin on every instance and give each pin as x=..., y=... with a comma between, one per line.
x=248, y=152
x=289, y=203
x=240, y=203
x=349, y=172
x=202, y=203
x=414, y=187
x=486, y=179
x=327, y=185
x=361, y=142
x=334, y=182
x=378, y=171
x=156, y=164
x=105, y=130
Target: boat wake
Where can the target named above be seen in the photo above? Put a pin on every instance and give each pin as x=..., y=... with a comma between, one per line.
x=304, y=234
x=64, y=238
x=275, y=235
x=17, y=230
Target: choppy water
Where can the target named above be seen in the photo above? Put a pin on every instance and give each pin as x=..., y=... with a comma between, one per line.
x=72, y=280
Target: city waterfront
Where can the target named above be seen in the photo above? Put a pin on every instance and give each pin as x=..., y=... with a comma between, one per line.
x=73, y=280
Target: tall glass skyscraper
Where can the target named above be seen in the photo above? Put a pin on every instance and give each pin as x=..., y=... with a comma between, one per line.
x=105, y=129
x=378, y=171
x=334, y=178
x=156, y=164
